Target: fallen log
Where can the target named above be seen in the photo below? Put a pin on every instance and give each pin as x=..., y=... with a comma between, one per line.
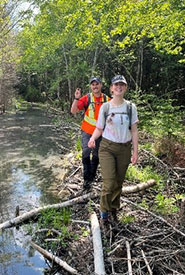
x=138, y=187
x=54, y=258
x=28, y=215
x=129, y=258
x=146, y=262
x=97, y=245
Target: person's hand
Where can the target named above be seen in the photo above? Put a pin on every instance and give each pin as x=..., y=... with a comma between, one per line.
x=134, y=158
x=78, y=93
x=91, y=143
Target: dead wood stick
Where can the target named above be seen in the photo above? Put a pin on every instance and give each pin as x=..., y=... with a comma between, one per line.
x=71, y=190
x=135, y=188
x=138, y=187
x=159, y=160
x=146, y=262
x=34, y=212
x=46, y=230
x=97, y=245
x=73, y=186
x=74, y=172
x=182, y=212
x=154, y=215
x=112, y=251
x=52, y=240
x=156, y=158
x=54, y=258
x=179, y=168
x=79, y=221
x=129, y=258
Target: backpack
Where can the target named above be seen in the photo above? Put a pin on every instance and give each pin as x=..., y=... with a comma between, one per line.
x=89, y=100
x=129, y=113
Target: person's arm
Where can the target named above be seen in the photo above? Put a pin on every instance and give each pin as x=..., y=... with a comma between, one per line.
x=74, y=107
x=134, y=132
x=96, y=134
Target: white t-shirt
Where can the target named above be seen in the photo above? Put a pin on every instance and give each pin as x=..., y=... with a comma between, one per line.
x=116, y=122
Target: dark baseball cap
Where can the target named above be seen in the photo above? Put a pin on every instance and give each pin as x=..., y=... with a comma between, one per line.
x=95, y=78
x=118, y=78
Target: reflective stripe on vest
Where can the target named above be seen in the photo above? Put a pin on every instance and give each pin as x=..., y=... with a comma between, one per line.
x=91, y=107
x=89, y=114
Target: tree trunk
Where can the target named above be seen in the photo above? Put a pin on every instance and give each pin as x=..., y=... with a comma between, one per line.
x=67, y=71
x=54, y=258
x=28, y=215
x=138, y=187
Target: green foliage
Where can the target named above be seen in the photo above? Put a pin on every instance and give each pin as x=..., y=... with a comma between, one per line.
x=90, y=208
x=144, y=204
x=135, y=174
x=54, y=219
x=160, y=117
x=58, y=220
x=127, y=219
x=165, y=205
x=61, y=42
x=20, y=104
x=66, y=216
x=16, y=104
x=32, y=94
x=78, y=148
x=179, y=196
x=56, y=121
x=148, y=146
x=78, y=144
x=76, y=237
x=29, y=228
x=85, y=231
x=164, y=121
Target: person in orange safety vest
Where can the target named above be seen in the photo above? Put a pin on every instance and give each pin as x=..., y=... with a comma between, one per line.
x=91, y=104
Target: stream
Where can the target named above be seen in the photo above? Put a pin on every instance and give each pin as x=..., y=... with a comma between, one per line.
x=27, y=141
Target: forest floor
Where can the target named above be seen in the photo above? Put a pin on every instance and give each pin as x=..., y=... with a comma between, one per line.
x=149, y=237
x=156, y=238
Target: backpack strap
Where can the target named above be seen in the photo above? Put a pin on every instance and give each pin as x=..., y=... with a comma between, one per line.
x=106, y=112
x=88, y=102
x=105, y=99
x=129, y=112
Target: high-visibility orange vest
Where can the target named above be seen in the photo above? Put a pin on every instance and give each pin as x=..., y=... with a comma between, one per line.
x=92, y=112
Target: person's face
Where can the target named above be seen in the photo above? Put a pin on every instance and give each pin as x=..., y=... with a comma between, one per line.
x=119, y=88
x=96, y=87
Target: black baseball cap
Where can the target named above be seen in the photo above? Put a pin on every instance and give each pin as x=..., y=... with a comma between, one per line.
x=95, y=78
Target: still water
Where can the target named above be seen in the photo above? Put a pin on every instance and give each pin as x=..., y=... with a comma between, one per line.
x=27, y=139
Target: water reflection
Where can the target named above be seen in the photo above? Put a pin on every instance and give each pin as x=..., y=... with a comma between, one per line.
x=15, y=258
x=27, y=140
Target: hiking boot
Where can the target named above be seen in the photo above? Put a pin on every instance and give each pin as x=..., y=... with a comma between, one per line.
x=113, y=216
x=105, y=226
x=87, y=184
x=114, y=220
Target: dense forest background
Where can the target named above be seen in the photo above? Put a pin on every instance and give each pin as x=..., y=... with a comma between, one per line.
x=53, y=46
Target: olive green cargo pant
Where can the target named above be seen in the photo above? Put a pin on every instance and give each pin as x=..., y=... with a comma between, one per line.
x=114, y=160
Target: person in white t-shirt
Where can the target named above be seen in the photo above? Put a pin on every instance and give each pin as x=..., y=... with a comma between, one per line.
x=115, y=147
